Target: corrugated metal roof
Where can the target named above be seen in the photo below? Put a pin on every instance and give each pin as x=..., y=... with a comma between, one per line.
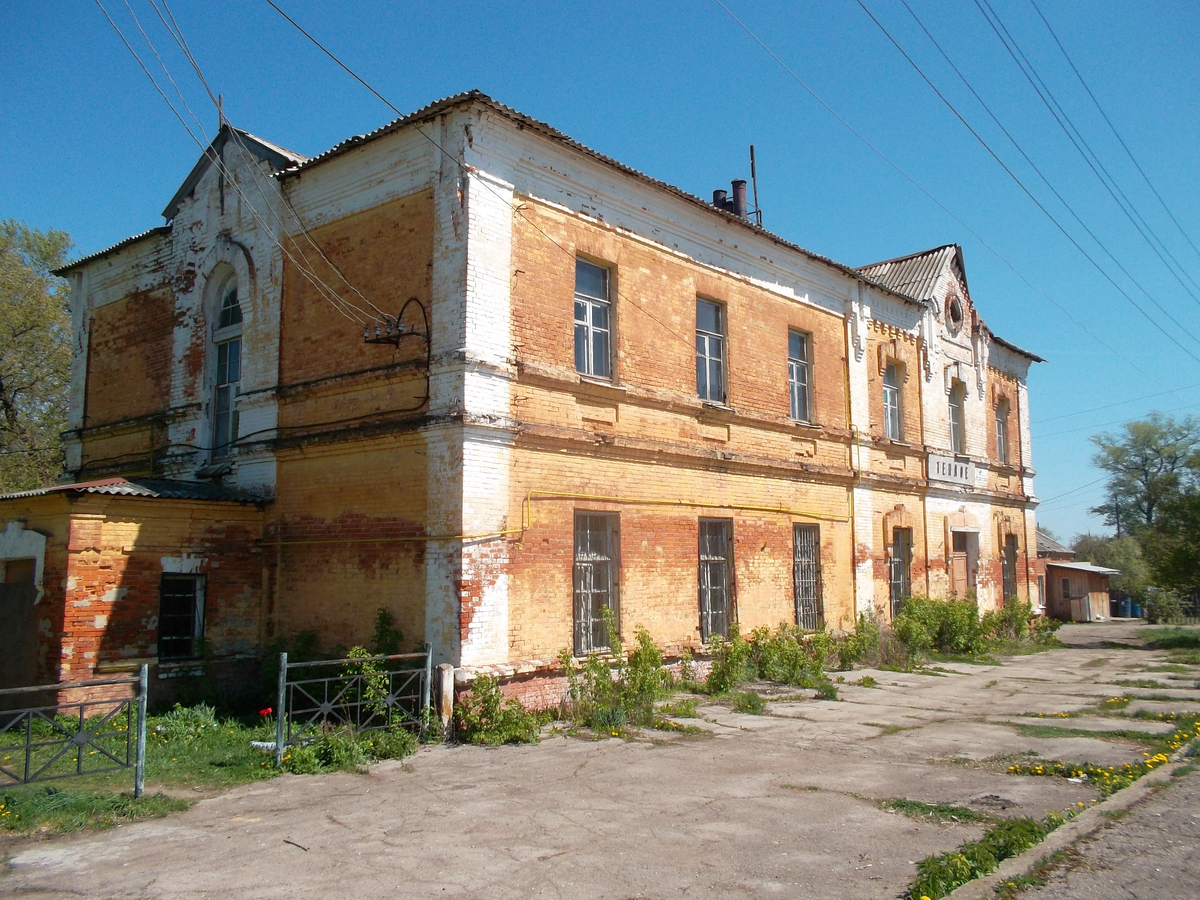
x=163, y=488
x=119, y=245
x=476, y=96
x=1047, y=544
x=1081, y=567
x=915, y=275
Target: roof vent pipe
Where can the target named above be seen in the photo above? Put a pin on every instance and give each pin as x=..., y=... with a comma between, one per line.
x=739, y=197
x=719, y=200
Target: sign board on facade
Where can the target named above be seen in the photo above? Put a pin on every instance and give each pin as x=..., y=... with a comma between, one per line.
x=955, y=471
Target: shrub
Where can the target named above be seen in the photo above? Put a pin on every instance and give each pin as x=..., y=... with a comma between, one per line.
x=730, y=663
x=183, y=722
x=485, y=717
x=609, y=692
x=943, y=626
x=1162, y=606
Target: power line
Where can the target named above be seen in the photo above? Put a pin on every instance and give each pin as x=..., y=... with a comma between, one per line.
x=1070, y=415
x=1116, y=133
x=516, y=208
x=1107, y=424
x=1060, y=114
x=1042, y=207
x=911, y=180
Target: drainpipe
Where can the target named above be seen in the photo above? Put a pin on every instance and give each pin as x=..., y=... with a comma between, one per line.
x=852, y=454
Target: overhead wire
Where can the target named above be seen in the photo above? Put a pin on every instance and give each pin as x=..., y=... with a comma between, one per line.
x=920, y=187
x=1076, y=137
x=1115, y=132
x=1011, y=174
x=335, y=300
x=1070, y=415
x=517, y=208
x=1108, y=424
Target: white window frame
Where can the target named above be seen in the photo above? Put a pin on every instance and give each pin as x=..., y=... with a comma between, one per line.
x=226, y=342
x=710, y=356
x=957, y=402
x=893, y=408
x=588, y=332
x=800, y=376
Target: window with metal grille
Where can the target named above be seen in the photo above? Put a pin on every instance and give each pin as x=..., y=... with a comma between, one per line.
x=893, y=424
x=710, y=351
x=593, y=314
x=1010, y=567
x=225, y=396
x=716, y=595
x=595, y=579
x=957, y=399
x=180, y=616
x=1002, y=432
x=806, y=575
x=798, y=375
x=900, y=568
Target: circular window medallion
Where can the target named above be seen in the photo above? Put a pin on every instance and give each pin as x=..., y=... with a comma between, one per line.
x=954, y=313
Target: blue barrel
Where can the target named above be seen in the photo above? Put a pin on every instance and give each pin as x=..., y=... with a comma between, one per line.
x=1124, y=607
x=1137, y=610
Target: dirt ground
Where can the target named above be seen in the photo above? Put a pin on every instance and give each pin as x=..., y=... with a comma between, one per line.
x=783, y=804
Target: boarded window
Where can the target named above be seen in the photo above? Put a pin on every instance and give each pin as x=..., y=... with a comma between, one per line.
x=806, y=575
x=716, y=599
x=900, y=568
x=180, y=616
x=1010, y=567
x=595, y=579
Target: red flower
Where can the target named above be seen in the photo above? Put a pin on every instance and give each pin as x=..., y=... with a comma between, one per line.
x=266, y=712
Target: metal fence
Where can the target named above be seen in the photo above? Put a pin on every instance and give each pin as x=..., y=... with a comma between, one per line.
x=366, y=694
x=67, y=740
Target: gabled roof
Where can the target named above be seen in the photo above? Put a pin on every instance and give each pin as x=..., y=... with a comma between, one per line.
x=277, y=156
x=1081, y=567
x=915, y=275
x=163, y=488
x=119, y=245
x=1047, y=544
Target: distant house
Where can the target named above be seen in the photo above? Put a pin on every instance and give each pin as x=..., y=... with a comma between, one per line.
x=1075, y=591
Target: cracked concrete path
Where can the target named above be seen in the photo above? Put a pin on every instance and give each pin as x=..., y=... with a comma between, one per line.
x=777, y=805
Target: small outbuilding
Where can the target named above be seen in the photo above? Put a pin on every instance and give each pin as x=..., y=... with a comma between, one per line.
x=1077, y=591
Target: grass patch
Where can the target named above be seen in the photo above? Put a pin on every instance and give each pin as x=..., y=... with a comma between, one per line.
x=1040, y=874
x=937, y=876
x=940, y=812
x=1186, y=657
x=1139, y=683
x=1170, y=667
x=866, y=681
x=37, y=807
x=1058, y=731
x=661, y=724
x=800, y=787
x=681, y=709
x=748, y=702
x=891, y=729
x=1173, y=638
x=1097, y=662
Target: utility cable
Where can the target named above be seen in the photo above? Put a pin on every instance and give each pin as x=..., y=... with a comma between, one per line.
x=1042, y=207
x=1076, y=138
x=1116, y=133
x=1070, y=415
x=911, y=180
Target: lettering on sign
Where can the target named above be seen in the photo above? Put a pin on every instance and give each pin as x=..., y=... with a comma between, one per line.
x=955, y=471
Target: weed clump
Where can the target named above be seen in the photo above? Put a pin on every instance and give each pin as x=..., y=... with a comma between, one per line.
x=38, y=808
x=345, y=751
x=748, y=702
x=937, y=876
x=485, y=717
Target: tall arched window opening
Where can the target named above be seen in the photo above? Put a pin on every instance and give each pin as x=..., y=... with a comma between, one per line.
x=227, y=340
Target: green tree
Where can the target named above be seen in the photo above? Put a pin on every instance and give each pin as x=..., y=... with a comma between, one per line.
x=1121, y=553
x=1148, y=461
x=1172, y=547
x=35, y=355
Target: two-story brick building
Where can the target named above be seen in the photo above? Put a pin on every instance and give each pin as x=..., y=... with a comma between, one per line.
x=467, y=370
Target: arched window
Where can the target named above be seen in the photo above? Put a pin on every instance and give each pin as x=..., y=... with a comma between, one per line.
x=227, y=354
x=1002, y=432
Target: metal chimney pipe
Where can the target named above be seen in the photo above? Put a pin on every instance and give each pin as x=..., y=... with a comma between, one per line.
x=739, y=197
x=719, y=200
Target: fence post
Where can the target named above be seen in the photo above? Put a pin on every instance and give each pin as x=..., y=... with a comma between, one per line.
x=280, y=709
x=425, y=692
x=139, y=766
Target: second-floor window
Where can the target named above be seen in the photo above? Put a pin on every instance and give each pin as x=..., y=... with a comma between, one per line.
x=958, y=396
x=710, y=351
x=1002, y=432
x=228, y=375
x=593, y=317
x=798, y=375
x=893, y=421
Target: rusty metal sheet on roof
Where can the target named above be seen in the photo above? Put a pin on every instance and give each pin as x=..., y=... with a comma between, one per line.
x=162, y=488
x=914, y=275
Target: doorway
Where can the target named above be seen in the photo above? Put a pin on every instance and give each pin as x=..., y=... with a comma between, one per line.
x=964, y=563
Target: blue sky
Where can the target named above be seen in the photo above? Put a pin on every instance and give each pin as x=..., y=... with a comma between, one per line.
x=678, y=90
